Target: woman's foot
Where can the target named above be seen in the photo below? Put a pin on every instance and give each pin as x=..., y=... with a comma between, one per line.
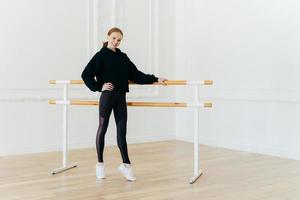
x=126, y=171
x=100, y=173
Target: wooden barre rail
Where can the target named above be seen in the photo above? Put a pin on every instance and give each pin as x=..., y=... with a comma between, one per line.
x=141, y=104
x=170, y=82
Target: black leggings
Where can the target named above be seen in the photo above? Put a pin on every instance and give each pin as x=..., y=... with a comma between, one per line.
x=116, y=101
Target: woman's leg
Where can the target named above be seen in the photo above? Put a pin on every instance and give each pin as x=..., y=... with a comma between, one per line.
x=105, y=108
x=120, y=113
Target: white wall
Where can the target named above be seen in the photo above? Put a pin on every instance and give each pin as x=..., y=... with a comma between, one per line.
x=43, y=40
x=251, y=50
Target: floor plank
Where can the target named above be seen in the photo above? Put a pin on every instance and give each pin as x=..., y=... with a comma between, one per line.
x=162, y=170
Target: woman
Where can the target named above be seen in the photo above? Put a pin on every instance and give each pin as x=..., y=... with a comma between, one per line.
x=112, y=70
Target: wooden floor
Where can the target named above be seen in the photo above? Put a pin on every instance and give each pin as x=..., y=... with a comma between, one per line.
x=162, y=170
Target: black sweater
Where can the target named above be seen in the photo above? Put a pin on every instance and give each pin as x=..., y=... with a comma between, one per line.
x=114, y=67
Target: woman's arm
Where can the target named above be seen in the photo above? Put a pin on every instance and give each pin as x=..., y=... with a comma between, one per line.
x=137, y=76
x=89, y=73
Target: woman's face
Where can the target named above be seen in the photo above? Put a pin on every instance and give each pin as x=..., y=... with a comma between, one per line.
x=114, y=40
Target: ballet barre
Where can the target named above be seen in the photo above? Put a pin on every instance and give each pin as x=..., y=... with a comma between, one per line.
x=196, y=105
x=139, y=104
x=170, y=82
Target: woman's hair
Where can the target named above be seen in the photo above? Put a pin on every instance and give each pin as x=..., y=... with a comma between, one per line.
x=112, y=30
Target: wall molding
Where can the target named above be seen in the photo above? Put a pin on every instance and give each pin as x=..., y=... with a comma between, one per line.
x=92, y=30
x=245, y=147
x=113, y=13
x=153, y=50
x=34, y=94
x=255, y=95
x=231, y=93
x=25, y=94
x=79, y=144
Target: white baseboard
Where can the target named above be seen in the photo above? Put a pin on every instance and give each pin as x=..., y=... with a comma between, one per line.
x=13, y=150
x=6, y=151
x=251, y=148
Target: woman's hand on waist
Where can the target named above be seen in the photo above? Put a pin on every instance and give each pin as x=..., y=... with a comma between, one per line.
x=107, y=86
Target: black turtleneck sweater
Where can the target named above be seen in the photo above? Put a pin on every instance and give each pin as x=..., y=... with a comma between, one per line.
x=114, y=67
